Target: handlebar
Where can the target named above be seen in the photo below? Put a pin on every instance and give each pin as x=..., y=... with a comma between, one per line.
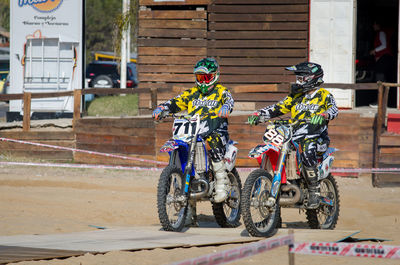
x=280, y=121
x=164, y=115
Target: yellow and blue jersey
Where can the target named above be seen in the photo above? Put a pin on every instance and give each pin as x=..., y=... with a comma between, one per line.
x=206, y=105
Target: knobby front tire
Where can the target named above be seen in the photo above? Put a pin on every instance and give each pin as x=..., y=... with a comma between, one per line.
x=260, y=220
x=172, y=210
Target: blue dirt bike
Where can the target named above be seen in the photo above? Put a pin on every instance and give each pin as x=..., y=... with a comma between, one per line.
x=189, y=178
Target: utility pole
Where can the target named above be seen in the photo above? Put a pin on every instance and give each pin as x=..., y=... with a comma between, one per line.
x=124, y=45
x=128, y=35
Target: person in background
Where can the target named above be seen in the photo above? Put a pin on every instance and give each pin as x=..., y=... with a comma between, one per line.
x=383, y=54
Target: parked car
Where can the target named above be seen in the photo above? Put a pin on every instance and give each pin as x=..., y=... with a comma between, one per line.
x=105, y=74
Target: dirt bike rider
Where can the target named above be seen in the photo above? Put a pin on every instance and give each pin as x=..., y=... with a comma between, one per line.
x=306, y=101
x=213, y=102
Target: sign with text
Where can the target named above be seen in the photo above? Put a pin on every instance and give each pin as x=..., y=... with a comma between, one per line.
x=46, y=51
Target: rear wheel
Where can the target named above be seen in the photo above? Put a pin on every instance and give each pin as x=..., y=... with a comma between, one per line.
x=259, y=219
x=171, y=201
x=326, y=216
x=227, y=213
x=103, y=81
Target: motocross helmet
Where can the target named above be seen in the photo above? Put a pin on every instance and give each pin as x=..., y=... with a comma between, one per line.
x=206, y=72
x=308, y=76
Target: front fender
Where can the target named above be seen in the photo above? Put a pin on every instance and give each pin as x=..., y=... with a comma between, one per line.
x=259, y=150
x=272, y=152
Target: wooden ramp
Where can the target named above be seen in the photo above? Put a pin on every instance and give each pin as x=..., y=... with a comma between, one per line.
x=36, y=247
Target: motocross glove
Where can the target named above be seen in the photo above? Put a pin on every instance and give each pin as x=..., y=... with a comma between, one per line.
x=318, y=119
x=254, y=118
x=158, y=113
x=223, y=112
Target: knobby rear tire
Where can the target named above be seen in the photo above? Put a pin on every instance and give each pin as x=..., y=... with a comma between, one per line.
x=326, y=217
x=225, y=215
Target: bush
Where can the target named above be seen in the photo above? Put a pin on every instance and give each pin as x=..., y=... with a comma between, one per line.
x=114, y=106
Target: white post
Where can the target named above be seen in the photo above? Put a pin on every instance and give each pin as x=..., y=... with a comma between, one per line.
x=123, y=47
x=128, y=36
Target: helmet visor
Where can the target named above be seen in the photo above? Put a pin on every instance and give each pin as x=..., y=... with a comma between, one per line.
x=303, y=79
x=205, y=78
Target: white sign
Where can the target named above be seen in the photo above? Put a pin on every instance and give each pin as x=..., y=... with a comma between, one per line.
x=46, y=51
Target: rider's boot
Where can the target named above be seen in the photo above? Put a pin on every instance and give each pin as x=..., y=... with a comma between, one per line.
x=313, y=187
x=222, y=181
x=191, y=217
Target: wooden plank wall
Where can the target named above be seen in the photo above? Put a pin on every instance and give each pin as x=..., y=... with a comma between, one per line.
x=140, y=137
x=64, y=138
x=389, y=157
x=121, y=136
x=171, y=40
x=252, y=40
x=350, y=133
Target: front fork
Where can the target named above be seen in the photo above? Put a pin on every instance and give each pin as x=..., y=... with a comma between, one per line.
x=276, y=182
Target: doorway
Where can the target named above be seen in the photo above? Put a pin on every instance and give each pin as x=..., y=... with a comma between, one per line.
x=386, y=15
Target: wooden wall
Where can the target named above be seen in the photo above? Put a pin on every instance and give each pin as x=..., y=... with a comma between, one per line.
x=252, y=40
x=121, y=136
x=171, y=40
x=62, y=137
x=141, y=137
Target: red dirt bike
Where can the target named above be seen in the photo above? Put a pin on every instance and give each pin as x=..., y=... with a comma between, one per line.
x=279, y=182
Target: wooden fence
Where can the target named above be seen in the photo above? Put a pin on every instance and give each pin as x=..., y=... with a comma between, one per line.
x=350, y=132
x=386, y=145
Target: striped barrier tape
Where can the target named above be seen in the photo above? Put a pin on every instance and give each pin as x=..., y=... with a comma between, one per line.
x=78, y=166
x=346, y=249
x=307, y=248
x=239, y=252
x=333, y=170
x=83, y=151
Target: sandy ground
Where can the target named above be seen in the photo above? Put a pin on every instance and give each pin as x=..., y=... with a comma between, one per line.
x=37, y=200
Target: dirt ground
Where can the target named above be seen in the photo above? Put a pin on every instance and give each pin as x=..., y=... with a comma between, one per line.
x=38, y=200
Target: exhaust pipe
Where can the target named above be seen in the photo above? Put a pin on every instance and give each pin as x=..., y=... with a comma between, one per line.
x=286, y=201
x=200, y=194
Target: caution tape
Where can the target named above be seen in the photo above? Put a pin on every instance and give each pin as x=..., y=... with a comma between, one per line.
x=307, y=248
x=4, y=163
x=346, y=249
x=239, y=252
x=83, y=151
x=365, y=170
x=339, y=171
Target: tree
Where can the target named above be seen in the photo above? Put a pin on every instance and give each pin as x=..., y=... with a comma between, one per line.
x=100, y=22
x=5, y=14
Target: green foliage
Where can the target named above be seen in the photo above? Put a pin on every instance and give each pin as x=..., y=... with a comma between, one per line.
x=5, y=14
x=121, y=23
x=114, y=106
x=104, y=22
x=100, y=15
